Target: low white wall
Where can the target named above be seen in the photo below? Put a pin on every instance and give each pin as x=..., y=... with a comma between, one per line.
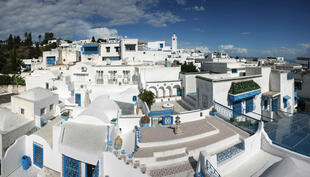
x=13, y=88
x=194, y=115
x=252, y=145
x=128, y=123
x=12, y=158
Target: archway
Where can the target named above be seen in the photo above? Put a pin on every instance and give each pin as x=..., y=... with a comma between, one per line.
x=161, y=92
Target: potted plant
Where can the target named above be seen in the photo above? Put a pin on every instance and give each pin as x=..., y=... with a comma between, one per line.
x=213, y=112
x=65, y=115
x=113, y=121
x=145, y=121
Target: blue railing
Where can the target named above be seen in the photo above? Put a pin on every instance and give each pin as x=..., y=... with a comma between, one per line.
x=210, y=170
x=244, y=122
x=230, y=152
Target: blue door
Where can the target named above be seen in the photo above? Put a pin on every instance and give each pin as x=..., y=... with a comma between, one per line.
x=237, y=108
x=71, y=167
x=249, y=105
x=275, y=104
x=78, y=99
x=47, y=85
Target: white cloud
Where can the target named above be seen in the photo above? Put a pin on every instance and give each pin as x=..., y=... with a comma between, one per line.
x=67, y=18
x=245, y=33
x=198, y=8
x=203, y=49
x=232, y=49
x=198, y=29
x=160, y=19
x=181, y=2
x=102, y=33
x=305, y=45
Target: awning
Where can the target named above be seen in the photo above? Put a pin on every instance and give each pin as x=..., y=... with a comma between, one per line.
x=287, y=97
x=242, y=96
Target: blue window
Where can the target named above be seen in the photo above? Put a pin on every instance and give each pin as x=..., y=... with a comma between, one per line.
x=90, y=49
x=295, y=97
x=47, y=85
x=249, y=105
x=237, y=108
x=134, y=98
x=38, y=155
x=71, y=167
x=78, y=99
x=234, y=70
x=50, y=60
x=284, y=103
x=161, y=45
x=275, y=104
x=265, y=105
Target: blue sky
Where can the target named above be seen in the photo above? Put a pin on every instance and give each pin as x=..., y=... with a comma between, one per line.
x=239, y=27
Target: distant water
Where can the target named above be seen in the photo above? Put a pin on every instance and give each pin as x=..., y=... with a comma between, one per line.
x=290, y=60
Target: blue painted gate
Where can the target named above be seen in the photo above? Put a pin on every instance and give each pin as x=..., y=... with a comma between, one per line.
x=71, y=167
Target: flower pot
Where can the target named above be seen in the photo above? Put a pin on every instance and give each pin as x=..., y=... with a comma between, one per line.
x=213, y=113
x=65, y=117
x=25, y=162
x=145, y=124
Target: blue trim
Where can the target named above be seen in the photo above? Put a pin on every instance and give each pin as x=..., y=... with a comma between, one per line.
x=237, y=109
x=249, y=107
x=38, y=155
x=161, y=112
x=287, y=97
x=234, y=98
x=111, y=58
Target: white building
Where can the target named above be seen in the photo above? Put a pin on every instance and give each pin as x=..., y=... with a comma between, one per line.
x=174, y=43
x=261, y=90
x=35, y=104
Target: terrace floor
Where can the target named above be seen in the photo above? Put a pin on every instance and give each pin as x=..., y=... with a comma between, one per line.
x=34, y=172
x=179, y=106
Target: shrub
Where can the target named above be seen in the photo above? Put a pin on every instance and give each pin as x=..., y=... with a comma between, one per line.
x=245, y=86
x=214, y=110
x=14, y=80
x=145, y=120
x=65, y=113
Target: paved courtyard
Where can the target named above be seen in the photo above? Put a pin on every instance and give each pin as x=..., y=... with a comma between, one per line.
x=179, y=106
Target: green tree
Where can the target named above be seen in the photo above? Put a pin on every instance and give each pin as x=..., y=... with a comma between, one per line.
x=148, y=97
x=10, y=42
x=40, y=37
x=188, y=68
x=47, y=36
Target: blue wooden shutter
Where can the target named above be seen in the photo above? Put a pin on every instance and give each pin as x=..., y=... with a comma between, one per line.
x=38, y=155
x=237, y=108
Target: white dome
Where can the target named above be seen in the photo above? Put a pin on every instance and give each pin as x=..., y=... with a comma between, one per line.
x=9, y=119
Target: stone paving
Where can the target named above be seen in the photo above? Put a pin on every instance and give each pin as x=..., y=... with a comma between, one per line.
x=34, y=172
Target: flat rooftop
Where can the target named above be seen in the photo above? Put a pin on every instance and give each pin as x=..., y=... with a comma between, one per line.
x=225, y=77
x=226, y=130
x=155, y=134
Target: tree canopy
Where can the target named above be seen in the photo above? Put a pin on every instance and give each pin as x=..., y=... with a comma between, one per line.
x=188, y=67
x=148, y=97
